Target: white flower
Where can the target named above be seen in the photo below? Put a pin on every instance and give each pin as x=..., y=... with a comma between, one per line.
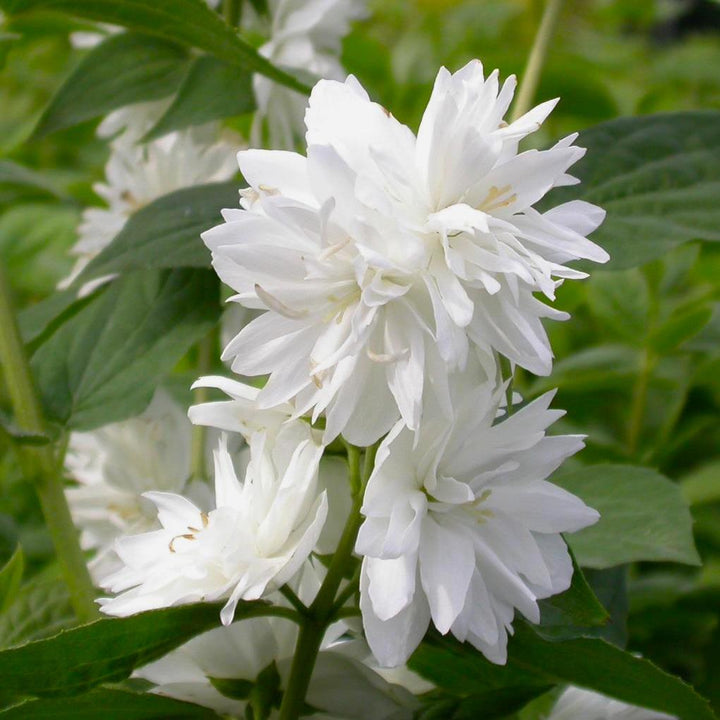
x=255, y=540
x=462, y=528
x=576, y=703
x=305, y=36
x=115, y=464
x=243, y=650
x=138, y=173
x=386, y=261
x=241, y=414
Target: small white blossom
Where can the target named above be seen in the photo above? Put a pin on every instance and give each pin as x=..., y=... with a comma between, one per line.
x=386, y=261
x=138, y=173
x=254, y=541
x=462, y=528
x=306, y=36
x=241, y=414
x=576, y=703
x=115, y=464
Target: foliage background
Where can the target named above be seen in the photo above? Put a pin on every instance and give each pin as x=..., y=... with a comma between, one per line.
x=639, y=363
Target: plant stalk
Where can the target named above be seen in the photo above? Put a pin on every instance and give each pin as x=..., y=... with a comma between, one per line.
x=198, y=466
x=322, y=611
x=536, y=59
x=231, y=12
x=39, y=464
x=639, y=400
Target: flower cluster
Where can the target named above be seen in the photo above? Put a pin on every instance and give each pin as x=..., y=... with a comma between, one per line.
x=390, y=275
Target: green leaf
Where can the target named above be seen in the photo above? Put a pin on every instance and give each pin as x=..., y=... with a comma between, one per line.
x=20, y=436
x=104, y=363
x=10, y=578
x=658, y=178
x=124, y=69
x=189, y=22
x=41, y=608
x=211, y=90
x=587, y=662
x=622, y=301
x=610, y=587
x=40, y=320
x=235, y=688
x=106, y=650
x=679, y=327
x=487, y=705
x=166, y=233
x=702, y=485
x=18, y=182
x=109, y=704
x=643, y=516
x=571, y=613
x=602, y=366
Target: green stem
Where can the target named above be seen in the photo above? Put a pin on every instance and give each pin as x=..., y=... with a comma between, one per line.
x=536, y=60
x=231, y=12
x=506, y=373
x=39, y=464
x=287, y=592
x=322, y=611
x=206, y=351
x=639, y=400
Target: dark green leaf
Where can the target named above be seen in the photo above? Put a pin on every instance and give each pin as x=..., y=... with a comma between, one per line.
x=106, y=650
x=166, y=233
x=643, y=516
x=189, y=22
x=658, y=177
x=622, y=302
x=42, y=319
x=105, y=362
x=587, y=662
x=211, y=90
x=487, y=705
x=266, y=693
x=108, y=704
x=572, y=612
x=610, y=587
x=679, y=327
x=10, y=577
x=41, y=608
x=235, y=688
x=124, y=69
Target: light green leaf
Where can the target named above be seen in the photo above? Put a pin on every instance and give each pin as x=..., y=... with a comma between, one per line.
x=658, y=178
x=104, y=363
x=643, y=516
x=124, y=69
x=702, y=485
x=602, y=366
x=10, y=577
x=211, y=90
x=106, y=650
x=18, y=182
x=188, y=22
x=166, y=233
x=109, y=704
x=587, y=662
